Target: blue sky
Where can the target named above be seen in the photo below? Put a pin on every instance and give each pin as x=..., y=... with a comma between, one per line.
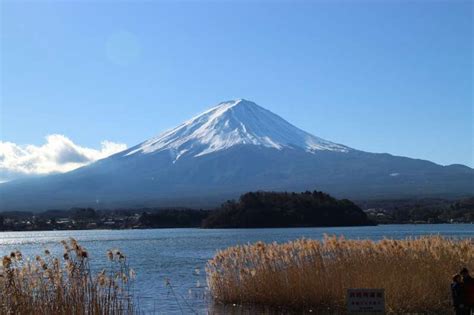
x=391, y=76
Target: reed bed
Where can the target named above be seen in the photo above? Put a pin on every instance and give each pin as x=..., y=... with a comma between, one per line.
x=66, y=285
x=311, y=274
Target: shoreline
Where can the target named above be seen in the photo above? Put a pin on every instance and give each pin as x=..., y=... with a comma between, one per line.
x=252, y=228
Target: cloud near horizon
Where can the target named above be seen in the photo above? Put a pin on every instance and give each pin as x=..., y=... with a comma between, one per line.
x=58, y=155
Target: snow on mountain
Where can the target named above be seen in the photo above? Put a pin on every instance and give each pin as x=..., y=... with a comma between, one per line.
x=233, y=123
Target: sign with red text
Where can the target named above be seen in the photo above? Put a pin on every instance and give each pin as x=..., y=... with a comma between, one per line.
x=370, y=301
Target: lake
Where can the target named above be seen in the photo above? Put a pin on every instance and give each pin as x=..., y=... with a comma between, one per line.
x=181, y=254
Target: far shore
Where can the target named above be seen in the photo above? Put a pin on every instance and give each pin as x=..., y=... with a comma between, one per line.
x=271, y=212
x=252, y=228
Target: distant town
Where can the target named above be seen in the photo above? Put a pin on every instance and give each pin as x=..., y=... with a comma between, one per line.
x=420, y=211
x=89, y=219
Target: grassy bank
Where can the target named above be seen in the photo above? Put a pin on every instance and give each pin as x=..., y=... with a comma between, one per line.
x=66, y=285
x=415, y=273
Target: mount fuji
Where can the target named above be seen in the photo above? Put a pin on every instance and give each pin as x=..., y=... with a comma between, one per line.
x=234, y=147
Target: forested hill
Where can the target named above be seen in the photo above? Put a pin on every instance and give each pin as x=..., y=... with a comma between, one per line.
x=275, y=209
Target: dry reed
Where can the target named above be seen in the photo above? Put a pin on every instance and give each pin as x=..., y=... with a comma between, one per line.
x=49, y=285
x=301, y=274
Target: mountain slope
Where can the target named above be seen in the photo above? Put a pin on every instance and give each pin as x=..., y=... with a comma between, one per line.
x=233, y=148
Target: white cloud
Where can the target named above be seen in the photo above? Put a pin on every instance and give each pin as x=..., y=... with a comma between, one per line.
x=58, y=155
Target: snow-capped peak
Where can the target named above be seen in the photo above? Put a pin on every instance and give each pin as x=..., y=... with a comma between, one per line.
x=236, y=122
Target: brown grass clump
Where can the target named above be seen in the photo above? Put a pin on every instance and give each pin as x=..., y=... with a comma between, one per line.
x=49, y=285
x=415, y=273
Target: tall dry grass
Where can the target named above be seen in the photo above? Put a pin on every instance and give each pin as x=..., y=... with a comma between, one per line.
x=415, y=273
x=66, y=285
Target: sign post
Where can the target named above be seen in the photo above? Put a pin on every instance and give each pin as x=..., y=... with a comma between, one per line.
x=365, y=301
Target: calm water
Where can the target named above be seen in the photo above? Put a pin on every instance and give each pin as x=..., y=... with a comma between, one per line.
x=181, y=254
